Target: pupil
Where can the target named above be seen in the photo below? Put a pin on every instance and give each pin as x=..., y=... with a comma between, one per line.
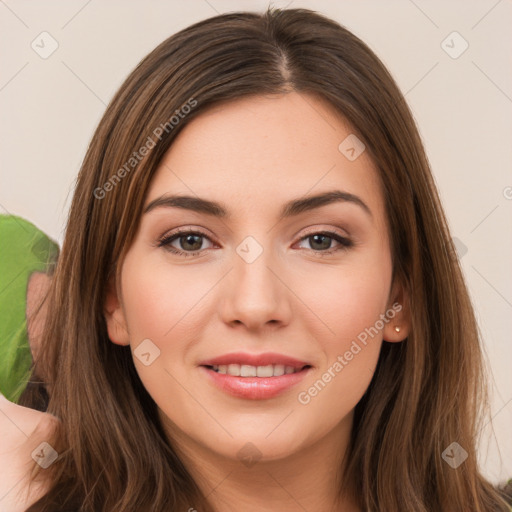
x=325, y=239
x=187, y=238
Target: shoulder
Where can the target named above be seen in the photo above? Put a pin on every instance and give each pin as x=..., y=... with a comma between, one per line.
x=23, y=434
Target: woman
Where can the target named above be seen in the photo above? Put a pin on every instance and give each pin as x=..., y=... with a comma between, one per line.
x=258, y=292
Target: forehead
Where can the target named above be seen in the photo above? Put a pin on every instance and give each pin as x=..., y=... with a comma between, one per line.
x=256, y=153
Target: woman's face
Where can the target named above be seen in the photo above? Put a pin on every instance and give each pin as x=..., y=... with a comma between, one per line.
x=270, y=281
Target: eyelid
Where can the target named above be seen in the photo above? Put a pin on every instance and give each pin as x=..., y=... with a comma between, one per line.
x=331, y=229
x=343, y=241
x=333, y=233
x=186, y=230
x=192, y=228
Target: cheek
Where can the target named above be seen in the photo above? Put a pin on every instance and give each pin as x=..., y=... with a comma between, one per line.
x=158, y=301
x=348, y=299
x=350, y=311
x=160, y=305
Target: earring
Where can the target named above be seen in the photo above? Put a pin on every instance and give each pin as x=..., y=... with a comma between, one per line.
x=397, y=329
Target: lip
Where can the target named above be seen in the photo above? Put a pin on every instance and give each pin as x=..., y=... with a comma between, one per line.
x=255, y=360
x=254, y=388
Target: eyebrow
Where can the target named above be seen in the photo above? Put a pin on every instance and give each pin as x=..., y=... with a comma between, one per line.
x=290, y=209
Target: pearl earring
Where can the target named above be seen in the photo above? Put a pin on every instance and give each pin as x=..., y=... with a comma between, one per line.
x=397, y=329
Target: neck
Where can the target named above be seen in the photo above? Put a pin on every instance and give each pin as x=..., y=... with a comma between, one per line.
x=307, y=479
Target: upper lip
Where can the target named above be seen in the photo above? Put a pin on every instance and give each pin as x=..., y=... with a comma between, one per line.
x=264, y=359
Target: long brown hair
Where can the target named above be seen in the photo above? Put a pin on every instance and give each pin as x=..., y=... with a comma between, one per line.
x=427, y=392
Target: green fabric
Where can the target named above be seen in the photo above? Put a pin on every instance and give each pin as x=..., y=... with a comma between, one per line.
x=24, y=249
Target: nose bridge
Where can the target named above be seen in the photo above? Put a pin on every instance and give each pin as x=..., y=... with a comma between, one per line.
x=256, y=296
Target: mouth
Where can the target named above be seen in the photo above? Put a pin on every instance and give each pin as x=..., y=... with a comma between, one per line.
x=254, y=382
x=246, y=370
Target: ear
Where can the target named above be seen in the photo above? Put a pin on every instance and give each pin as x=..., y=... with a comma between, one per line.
x=114, y=315
x=399, y=325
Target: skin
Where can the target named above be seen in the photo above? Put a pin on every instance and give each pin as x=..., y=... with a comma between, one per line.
x=23, y=430
x=253, y=155
x=37, y=288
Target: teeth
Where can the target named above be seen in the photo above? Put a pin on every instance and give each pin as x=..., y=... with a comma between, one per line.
x=265, y=371
x=246, y=370
x=278, y=370
x=233, y=369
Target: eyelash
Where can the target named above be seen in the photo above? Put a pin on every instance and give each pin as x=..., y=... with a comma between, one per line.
x=166, y=240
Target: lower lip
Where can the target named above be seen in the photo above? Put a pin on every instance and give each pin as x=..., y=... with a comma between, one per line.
x=255, y=388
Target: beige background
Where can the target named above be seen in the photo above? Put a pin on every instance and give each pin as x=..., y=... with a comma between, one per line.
x=463, y=107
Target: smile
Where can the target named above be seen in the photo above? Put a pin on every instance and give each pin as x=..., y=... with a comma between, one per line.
x=246, y=370
x=254, y=382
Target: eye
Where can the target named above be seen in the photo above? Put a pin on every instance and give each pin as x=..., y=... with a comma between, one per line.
x=320, y=242
x=190, y=242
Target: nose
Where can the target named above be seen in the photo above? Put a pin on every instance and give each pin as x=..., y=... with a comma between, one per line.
x=255, y=294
